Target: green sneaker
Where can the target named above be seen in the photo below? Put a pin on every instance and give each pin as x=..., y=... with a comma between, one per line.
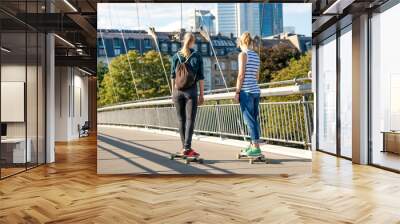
x=254, y=152
x=246, y=149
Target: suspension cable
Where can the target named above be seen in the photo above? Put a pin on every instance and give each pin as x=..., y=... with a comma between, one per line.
x=127, y=57
x=108, y=66
x=261, y=27
x=208, y=37
x=152, y=32
x=138, y=24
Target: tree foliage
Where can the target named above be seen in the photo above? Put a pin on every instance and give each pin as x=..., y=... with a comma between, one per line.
x=101, y=71
x=274, y=59
x=296, y=69
x=144, y=78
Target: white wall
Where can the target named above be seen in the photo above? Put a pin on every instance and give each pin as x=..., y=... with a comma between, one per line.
x=71, y=102
x=14, y=73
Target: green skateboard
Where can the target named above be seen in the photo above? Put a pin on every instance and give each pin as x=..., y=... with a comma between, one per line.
x=252, y=159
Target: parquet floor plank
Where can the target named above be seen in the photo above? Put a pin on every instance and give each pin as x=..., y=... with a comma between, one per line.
x=70, y=191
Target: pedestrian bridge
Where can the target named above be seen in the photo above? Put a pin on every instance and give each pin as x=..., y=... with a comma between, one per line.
x=138, y=137
x=126, y=150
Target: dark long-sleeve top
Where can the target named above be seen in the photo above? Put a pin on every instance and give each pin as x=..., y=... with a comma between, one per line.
x=196, y=62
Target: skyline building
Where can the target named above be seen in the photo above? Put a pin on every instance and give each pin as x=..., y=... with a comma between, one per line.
x=205, y=19
x=256, y=18
x=236, y=18
x=271, y=18
x=226, y=19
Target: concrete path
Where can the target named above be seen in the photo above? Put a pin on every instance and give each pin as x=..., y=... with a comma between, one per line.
x=131, y=151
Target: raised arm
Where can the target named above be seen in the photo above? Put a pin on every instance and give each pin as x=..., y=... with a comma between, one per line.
x=242, y=67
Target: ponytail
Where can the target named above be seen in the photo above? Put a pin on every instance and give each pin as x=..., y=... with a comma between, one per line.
x=187, y=40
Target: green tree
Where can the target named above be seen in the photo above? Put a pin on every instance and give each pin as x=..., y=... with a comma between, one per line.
x=296, y=69
x=274, y=59
x=143, y=78
x=101, y=71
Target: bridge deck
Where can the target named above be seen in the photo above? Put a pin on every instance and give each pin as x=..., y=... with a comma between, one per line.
x=130, y=151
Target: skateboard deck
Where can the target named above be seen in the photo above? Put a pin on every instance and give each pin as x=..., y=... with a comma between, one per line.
x=252, y=159
x=187, y=159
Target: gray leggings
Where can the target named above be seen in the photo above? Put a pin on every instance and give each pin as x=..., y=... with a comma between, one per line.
x=186, y=108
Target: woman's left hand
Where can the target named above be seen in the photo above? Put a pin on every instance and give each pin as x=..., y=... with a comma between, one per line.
x=237, y=98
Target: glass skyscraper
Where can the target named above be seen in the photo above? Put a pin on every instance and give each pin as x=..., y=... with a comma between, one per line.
x=205, y=19
x=249, y=17
x=227, y=19
x=271, y=19
x=236, y=18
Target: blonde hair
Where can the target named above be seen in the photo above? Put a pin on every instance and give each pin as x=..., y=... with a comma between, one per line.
x=187, y=40
x=245, y=39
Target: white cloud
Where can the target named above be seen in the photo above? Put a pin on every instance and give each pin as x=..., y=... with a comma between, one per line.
x=159, y=15
x=167, y=16
x=174, y=26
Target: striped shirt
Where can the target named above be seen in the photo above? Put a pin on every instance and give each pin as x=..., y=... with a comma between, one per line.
x=250, y=83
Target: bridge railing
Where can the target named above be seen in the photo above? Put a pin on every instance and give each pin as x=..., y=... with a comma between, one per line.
x=288, y=122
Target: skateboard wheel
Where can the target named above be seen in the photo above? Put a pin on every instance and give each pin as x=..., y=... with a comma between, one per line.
x=187, y=161
x=201, y=161
x=251, y=161
x=239, y=156
x=172, y=157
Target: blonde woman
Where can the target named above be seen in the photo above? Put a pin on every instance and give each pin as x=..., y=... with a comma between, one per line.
x=186, y=72
x=248, y=91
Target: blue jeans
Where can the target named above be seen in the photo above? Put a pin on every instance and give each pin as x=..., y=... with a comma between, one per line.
x=249, y=105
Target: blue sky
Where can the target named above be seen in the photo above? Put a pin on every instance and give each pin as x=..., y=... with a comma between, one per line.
x=167, y=16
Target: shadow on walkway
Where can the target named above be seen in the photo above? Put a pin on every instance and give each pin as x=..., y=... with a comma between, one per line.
x=206, y=162
x=140, y=151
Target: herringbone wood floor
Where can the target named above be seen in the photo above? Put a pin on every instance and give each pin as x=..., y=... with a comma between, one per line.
x=69, y=191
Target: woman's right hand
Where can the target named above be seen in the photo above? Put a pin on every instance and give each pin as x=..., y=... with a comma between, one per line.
x=237, y=98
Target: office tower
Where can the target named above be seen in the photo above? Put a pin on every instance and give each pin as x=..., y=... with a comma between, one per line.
x=271, y=18
x=226, y=19
x=205, y=19
x=236, y=18
x=249, y=18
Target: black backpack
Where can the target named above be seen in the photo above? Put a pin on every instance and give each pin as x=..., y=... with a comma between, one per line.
x=185, y=76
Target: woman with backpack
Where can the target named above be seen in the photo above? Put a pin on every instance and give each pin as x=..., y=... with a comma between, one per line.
x=186, y=72
x=248, y=91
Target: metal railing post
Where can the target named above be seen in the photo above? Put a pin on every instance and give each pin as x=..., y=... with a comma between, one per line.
x=306, y=122
x=217, y=110
x=145, y=120
x=158, y=118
